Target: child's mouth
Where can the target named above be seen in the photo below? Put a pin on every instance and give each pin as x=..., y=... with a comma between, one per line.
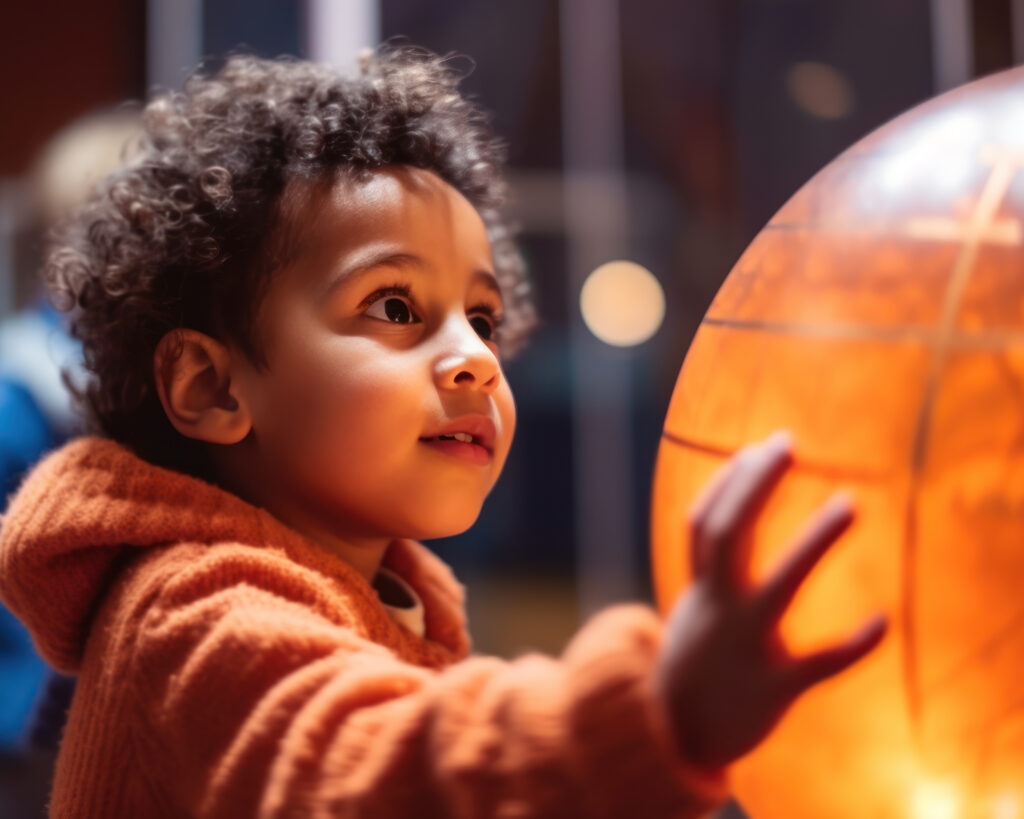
x=465, y=437
x=460, y=445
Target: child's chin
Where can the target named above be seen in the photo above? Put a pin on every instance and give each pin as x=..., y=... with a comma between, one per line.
x=449, y=526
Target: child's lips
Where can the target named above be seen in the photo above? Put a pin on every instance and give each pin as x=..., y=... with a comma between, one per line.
x=471, y=453
x=480, y=428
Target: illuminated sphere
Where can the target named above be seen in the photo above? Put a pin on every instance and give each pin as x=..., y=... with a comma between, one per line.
x=879, y=316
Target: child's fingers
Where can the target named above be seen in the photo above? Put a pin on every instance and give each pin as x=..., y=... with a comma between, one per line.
x=814, y=668
x=721, y=530
x=699, y=512
x=828, y=523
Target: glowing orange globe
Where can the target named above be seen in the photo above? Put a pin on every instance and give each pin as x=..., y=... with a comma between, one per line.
x=880, y=317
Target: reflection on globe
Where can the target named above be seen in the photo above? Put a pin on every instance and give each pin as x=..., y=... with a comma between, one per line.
x=880, y=317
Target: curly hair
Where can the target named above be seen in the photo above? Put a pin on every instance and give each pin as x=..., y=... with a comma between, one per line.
x=185, y=235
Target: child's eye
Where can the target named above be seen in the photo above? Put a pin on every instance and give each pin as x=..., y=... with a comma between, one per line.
x=392, y=305
x=483, y=319
x=483, y=327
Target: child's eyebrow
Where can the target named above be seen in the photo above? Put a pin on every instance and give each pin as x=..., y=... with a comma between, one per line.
x=488, y=280
x=365, y=262
x=362, y=263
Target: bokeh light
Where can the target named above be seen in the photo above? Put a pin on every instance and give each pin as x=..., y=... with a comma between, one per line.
x=820, y=90
x=622, y=303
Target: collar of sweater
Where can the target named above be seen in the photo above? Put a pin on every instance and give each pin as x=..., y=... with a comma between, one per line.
x=88, y=508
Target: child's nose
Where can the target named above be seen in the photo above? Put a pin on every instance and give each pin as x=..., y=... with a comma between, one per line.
x=465, y=360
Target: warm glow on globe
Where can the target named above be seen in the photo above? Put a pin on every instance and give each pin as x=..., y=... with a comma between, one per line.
x=879, y=316
x=1006, y=806
x=935, y=802
x=622, y=303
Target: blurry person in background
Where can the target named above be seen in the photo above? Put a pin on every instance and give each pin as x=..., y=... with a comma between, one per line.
x=36, y=412
x=36, y=415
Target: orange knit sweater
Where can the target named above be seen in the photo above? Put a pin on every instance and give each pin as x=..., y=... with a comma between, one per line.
x=228, y=667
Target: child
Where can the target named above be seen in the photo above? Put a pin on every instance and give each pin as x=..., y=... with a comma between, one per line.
x=293, y=303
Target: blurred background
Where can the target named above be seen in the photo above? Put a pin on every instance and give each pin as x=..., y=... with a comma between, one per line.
x=648, y=142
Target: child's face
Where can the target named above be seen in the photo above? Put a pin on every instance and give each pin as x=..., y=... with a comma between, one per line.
x=379, y=337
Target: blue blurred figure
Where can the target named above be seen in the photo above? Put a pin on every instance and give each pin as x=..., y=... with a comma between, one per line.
x=36, y=415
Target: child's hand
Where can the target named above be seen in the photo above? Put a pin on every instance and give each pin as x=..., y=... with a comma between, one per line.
x=724, y=676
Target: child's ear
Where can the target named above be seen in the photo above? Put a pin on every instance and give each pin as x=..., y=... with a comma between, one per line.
x=197, y=389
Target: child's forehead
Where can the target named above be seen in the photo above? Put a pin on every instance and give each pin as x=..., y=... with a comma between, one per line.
x=346, y=202
x=344, y=211
x=355, y=193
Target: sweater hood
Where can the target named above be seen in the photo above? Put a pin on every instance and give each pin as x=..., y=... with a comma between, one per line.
x=90, y=507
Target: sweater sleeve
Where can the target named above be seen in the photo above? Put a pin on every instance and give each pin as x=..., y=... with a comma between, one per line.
x=253, y=703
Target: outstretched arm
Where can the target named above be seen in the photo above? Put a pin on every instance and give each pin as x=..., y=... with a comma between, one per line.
x=260, y=705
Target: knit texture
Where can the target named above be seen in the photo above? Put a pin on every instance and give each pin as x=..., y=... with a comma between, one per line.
x=229, y=667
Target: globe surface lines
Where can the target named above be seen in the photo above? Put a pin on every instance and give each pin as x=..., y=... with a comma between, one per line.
x=925, y=336
x=1005, y=232
x=981, y=228
x=800, y=464
x=1004, y=167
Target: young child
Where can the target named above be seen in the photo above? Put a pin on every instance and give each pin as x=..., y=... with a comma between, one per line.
x=294, y=303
